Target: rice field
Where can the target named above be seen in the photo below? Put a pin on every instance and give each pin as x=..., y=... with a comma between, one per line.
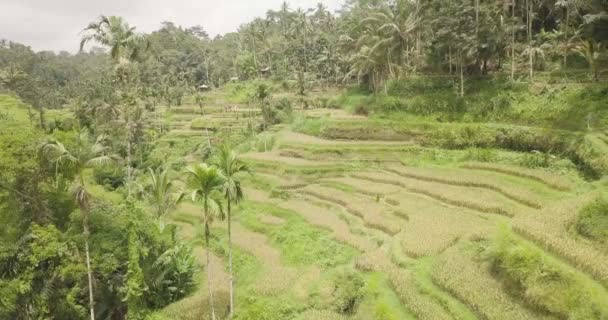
x=416, y=226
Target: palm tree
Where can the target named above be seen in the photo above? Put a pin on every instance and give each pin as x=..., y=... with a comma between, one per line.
x=125, y=45
x=396, y=30
x=75, y=164
x=160, y=193
x=205, y=184
x=230, y=165
x=115, y=33
x=592, y=51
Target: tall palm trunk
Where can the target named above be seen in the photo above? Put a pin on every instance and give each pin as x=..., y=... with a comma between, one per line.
x=461, y=75
x=513, y=40
x=530, y=57
x=83, y=202
x=450, y=58
x=566, y=35
x=477, y=19
x=207, y=234
x=128, y=155
x=230, y=260
x=41, y=116
x=89, y=271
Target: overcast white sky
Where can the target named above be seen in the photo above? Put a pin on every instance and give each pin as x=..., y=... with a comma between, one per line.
x=55, y=24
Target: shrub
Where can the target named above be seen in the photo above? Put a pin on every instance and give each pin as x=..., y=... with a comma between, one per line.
x=537, y=159
x=481, y=155
x=348, y=290
x=592, y=221
x=110, y=178
x=173, y=275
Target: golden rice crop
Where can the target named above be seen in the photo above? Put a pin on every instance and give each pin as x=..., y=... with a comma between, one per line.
x=475, y=199
x=457, y=177
x=432, y=228
x=368, y=188
x=403, y=282
x=458, y=272
x=551, y=228
x=277, y=157
x=551, y=180
x=371, y=212
x=317, y=215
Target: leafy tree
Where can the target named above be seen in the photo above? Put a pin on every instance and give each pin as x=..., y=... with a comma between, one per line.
x=205, y=184
x=74, y=164
x=160, y=193
x=115, y=33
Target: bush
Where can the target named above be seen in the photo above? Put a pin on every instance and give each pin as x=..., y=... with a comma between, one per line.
x=592, y=220
x=173, y=275
x=110, y=178
x=348, y=290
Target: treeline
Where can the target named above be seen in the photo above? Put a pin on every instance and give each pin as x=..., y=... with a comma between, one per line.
x=367, y=41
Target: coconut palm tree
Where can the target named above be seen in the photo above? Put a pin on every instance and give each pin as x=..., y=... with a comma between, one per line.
x=230, y=164
x=396, y=30
x=114, y=32
x=205, y=184
x=74, y=164
x=125, y=45
x=160, y=193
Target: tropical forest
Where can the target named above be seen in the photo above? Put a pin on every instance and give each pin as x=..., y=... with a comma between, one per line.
x=379, y=160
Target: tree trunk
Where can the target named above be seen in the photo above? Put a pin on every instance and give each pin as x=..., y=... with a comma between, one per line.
x=461, y=76
x=89, y=272
x=129, y=164
x=41, y=115
x=513, y=40
x=477, y=19
x=530, y=57
x=211, y=306
x=230, y=260
x=566, y=35
x=450, y=58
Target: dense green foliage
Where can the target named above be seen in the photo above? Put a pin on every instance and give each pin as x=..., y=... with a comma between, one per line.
x=114, y=195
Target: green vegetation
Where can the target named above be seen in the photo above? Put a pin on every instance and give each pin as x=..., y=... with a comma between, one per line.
x=544, y=283
x=394, y=160
x=318, y=249
x=592, y=221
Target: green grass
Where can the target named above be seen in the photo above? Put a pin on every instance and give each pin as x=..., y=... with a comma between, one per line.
x=380, y=301
x=13, y=111
x=300, y=243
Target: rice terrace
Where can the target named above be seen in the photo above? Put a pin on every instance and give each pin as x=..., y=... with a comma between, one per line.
x=359, y=160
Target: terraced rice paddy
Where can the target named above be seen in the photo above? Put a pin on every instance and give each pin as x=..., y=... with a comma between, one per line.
x=420, y=232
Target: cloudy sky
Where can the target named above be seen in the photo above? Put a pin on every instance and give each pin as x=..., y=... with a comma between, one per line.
x=55, y=24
